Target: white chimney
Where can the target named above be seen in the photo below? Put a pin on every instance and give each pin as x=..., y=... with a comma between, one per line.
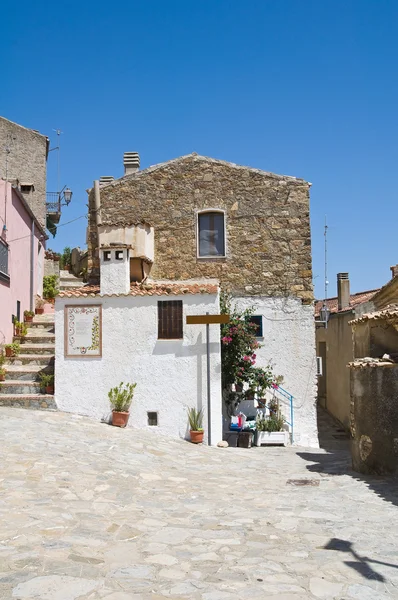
x=343, y=291
x=131, y=161
x=115, y=269
x=105, y=179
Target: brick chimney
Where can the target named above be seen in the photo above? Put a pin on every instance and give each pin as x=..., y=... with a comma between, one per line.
x=394, y=271
x=343, y=291
x=131, y=161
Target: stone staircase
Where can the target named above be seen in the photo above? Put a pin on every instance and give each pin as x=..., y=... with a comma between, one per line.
x=68, y=280
x=22, y=387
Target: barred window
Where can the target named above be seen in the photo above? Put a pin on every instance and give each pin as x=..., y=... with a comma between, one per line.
x=170, y=320
x=3, y=257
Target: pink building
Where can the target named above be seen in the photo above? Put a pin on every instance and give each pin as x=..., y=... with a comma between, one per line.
x=22, y=247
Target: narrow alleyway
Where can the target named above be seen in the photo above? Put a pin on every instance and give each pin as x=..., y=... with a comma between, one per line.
x=91, y=512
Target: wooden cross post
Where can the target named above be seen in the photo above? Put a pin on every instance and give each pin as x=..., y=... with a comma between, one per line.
x=207, y=320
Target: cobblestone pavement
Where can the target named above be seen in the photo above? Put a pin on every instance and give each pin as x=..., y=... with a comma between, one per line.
x=89, y=511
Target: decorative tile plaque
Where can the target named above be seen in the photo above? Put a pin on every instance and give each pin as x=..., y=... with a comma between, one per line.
x=83, y=330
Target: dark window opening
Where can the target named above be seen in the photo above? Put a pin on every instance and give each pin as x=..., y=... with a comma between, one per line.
x=107, y=255
x=18, y=310
x=258, y=321
x=152, y=419
x=211, y=234
x=170, y=320
x=3, y=258
x=119, y=254
x=26, y=189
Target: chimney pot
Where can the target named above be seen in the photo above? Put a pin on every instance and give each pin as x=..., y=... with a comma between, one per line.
x=394, y=271
x=131, y=161
x=343, y=291
x=105, y=179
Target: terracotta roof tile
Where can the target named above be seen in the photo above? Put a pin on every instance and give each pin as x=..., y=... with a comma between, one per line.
x=390, y=313
x=146, y=289
x=355, y=300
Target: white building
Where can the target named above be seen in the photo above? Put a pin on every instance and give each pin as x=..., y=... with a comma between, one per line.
x=143, y=337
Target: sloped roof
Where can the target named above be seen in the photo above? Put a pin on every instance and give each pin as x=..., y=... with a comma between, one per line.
x=146, y=289
x=388, y=313
x=355, y=300
x=198, y=158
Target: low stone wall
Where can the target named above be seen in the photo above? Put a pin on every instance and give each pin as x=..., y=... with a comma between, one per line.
x=36, y=404
x=374, y=418
x=51, y=267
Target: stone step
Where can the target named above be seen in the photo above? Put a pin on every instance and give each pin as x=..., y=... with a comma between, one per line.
x=27, y=372
x=42, y=326
x=41, y=338
x=35, y=401
x=28, y=348
x=19, y=387
x=31, y=359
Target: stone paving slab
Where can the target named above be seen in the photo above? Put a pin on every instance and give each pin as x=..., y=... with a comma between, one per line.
x=90, y=512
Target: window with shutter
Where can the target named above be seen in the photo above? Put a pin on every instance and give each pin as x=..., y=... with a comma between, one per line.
x=170, y=320
x=4, y=261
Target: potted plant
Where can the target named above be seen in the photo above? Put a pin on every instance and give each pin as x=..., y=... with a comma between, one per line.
x=20, y=329
x=12, y=349
x=39, y=306
x=271, y=430
x=195, y=418
x=120, y=398
x=50, y=287
x=28, y=316
x=47, y=382
x=2, y=369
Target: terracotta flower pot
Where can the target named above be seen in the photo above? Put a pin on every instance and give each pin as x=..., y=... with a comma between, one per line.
x=49, y=389
x=120, y=419
x=197, y=436
x=2, y=377
x=9, y=352
x=39, y=311
x=28, y=319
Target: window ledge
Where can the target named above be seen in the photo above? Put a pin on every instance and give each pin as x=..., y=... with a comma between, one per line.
x=4, y=277
x=211, y=258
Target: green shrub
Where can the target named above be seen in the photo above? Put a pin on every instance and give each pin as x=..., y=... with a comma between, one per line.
x=50, y=286
x=120, y=397
x=195, y=418
x=66, y=258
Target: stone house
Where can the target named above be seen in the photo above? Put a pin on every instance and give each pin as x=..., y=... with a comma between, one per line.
x=22, y=221
x=335, y=346
x=374, y=391
x=24, y=163
x=197, y=218
x=335, y=349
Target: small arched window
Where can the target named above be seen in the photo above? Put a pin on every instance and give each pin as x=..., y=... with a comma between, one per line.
x=211, y=234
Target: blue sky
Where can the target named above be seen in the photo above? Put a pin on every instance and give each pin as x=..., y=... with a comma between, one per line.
x=300, y=87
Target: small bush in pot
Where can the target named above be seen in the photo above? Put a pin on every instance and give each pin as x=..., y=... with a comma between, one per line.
x=12, y=349
x=39, y=306
x=195, y=418
x=47, y=382
x=28, y=316
x=20, y=329
x=120, y=398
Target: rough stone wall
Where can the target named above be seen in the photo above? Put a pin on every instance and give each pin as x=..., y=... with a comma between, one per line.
x=374, y=418
x=26, y=162
x=51, y=267
x=267, y=224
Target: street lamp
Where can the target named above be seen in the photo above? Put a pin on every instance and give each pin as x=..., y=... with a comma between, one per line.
x=67, y=196
x=324, y=314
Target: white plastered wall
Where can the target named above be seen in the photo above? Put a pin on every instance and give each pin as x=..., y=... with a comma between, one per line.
x=170, y=374
x=289, y=345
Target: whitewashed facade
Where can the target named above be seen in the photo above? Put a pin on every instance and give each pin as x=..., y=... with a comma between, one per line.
x=171, y=375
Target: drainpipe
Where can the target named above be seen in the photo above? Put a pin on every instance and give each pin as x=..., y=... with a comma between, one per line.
x=32, y=264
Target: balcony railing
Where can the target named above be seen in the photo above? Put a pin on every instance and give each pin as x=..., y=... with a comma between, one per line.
x=53, y=205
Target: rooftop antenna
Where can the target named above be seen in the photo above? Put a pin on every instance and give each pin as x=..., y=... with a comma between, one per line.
x=324, y=313
x=58, y=147
x=326, y=258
